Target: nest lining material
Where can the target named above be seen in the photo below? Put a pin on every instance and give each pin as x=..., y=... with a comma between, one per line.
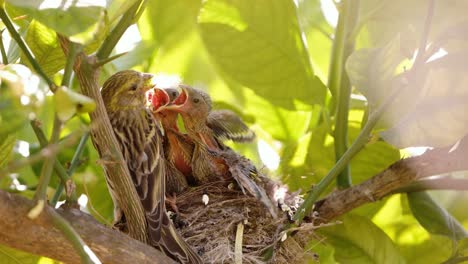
x=211, y=229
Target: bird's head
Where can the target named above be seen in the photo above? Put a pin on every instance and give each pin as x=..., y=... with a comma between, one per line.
x=191, y=102
x=126, y=90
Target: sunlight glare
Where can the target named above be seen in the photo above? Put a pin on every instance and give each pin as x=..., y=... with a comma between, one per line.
x=329, y=11
x=163, y=81
x=83, y=200
x=439, y=54
x=268, y=155
x=91, y=255
x=129, y=40
x=22, y=147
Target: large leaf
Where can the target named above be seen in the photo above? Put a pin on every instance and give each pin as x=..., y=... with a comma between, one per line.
x=12, y=256
x=371, y=70
x=435, y=99
x=77, y=19
x=319, y=33
x=434, y=218
x=168, y=21
x=415, y=243
x=259, y=44
x=358, y=240
x=44, y=44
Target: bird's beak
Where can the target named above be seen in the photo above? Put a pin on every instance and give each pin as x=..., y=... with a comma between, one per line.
x=159, y=99
x=180, y=103
x=147, y=81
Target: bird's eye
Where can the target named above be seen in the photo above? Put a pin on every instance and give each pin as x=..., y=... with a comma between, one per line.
x=196, y=100
x=174, y=94
x=134, y=87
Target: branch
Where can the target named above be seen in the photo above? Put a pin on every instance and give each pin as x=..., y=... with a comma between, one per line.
x=398, y=175
x=127, y=19
x=39, y=236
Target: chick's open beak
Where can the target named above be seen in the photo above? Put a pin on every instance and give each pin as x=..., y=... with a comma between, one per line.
x=159, y=99
x=180, y=103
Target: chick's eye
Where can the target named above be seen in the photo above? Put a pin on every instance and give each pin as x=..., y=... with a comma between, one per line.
x=196, y=100
x=134, y=87
x=174, y=94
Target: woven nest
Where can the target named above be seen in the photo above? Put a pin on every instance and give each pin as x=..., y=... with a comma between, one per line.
x=211, y=229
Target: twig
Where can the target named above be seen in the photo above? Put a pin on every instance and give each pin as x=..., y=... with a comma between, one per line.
x=440, y=183
x=396, y=176
x=24, y=47
x=67, y=74
x=73, y=164
x=105, y=61
x=85, y=253
x=114, y=36
x=44, y=153
x=343, y=47
x=46, y=172
x=2, y=49
x=66, y=81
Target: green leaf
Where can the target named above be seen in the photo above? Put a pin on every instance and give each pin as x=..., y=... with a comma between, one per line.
x=435, y=98
x=13, y=256
x=259, y=44
x=358, y=240
x=371, y=70
x=318, y=33
x=117, y=8
x=433, y=218
x=44, y=44
x=75, y=19
x=166, y=22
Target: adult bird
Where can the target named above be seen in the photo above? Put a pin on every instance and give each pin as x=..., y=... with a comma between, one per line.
x=211, y=159
x=140, y=141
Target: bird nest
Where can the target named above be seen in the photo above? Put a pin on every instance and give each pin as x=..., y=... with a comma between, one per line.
x=222, y=224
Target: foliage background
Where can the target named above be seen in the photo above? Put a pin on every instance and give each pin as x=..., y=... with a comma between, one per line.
x=270, y=62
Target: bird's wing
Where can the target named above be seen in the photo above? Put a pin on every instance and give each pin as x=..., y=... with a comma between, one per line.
x=228, y=125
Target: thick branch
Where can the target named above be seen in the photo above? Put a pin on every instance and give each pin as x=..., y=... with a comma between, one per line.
x=39, y=236
x=398, y=175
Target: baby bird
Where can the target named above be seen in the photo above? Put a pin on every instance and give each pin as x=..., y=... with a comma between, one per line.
x=211, y=159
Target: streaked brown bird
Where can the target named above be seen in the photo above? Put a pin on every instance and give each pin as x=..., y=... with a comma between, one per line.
x=211, y=159
x=140, y=140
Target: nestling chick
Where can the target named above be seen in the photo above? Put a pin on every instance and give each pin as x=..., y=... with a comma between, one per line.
x=211, y=159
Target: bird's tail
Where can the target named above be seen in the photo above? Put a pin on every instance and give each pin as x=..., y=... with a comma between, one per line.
x=163, y=235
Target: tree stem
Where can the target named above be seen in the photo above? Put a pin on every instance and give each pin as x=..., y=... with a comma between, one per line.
x=2, y=49
x=114, y=36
